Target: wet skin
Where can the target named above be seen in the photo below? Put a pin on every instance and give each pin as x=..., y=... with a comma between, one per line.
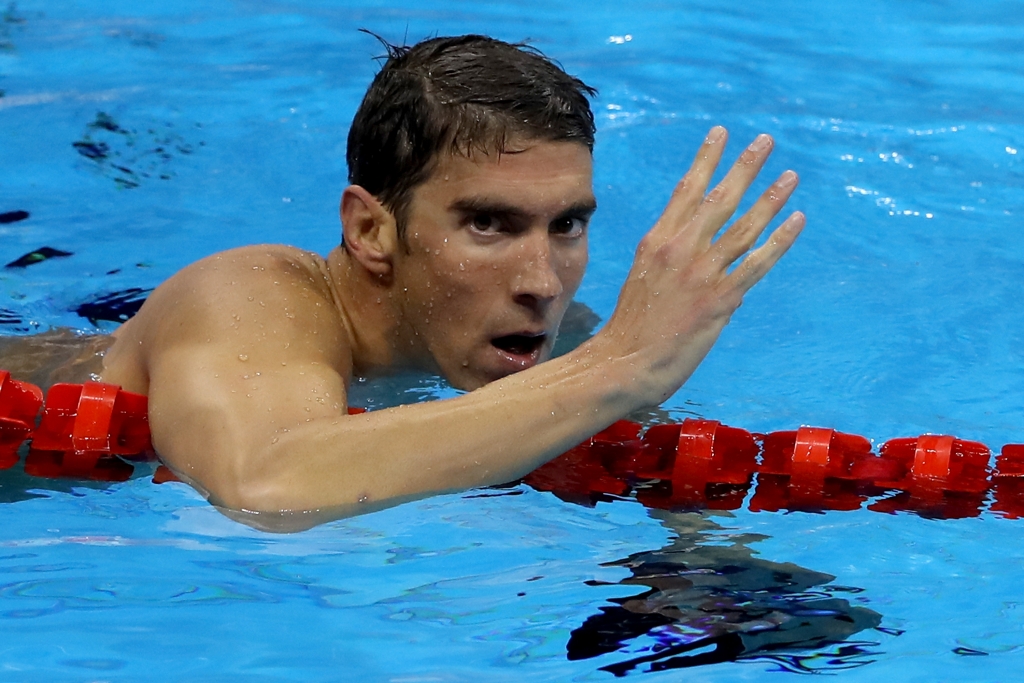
x=247, y=355
x=496, y=250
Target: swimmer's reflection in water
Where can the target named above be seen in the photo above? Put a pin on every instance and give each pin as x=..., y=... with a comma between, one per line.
x=704, y=602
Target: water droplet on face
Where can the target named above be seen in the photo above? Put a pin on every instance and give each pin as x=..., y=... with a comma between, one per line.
x=243, y=357
x=274, y=440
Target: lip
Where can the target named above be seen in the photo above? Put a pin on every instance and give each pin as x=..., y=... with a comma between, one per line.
x=515, y=360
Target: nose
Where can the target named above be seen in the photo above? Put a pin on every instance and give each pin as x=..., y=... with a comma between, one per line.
x=537, y=281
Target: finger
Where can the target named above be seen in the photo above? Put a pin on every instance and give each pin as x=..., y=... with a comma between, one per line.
x=689, y=191
x=762, y=259
x=742, y=235
x=721, y=202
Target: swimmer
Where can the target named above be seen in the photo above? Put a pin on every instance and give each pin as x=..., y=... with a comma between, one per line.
x=464, y=238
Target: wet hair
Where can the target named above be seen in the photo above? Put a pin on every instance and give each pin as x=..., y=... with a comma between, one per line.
x=458, y=95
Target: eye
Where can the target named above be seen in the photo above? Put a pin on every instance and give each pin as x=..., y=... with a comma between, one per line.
x=485, y=222
x=569, y=226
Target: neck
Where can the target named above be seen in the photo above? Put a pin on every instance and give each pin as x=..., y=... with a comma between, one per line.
x=371, y=315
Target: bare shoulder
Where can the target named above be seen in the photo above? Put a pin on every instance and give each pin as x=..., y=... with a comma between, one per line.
x=267, y=302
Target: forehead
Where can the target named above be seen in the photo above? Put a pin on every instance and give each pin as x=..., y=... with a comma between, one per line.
x=545, y=176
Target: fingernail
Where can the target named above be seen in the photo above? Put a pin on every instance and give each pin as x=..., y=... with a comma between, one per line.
x=716, y=134
x=787, y=179
x=795, y=223
x=760, y=143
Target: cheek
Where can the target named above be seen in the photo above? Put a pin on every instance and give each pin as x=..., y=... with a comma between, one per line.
x=572, y=266
x=456, y=292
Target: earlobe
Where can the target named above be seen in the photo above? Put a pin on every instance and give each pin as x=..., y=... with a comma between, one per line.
x=369, y=231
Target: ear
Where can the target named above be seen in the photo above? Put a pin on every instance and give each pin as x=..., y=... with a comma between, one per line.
x=369, y=230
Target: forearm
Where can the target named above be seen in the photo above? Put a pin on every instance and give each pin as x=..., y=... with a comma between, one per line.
x=492, y=435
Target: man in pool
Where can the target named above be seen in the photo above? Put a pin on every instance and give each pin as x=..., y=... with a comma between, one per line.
x=464, y=240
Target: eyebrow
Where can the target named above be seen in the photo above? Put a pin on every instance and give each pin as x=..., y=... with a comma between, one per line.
x=582, y=209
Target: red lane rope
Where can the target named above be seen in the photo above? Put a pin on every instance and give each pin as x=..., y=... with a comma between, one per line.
x=89, y=430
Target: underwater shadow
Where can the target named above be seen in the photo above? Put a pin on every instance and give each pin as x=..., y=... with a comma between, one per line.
x=707, y=601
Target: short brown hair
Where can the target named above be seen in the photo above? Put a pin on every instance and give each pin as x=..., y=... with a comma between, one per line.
x=458, y=95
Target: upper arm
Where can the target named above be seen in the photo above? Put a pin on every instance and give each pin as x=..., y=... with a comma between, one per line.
x=236, y=356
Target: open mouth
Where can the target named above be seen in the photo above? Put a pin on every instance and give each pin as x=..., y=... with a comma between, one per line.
x=520, y=344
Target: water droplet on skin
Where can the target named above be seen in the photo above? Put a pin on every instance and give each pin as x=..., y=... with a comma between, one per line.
x=274, y=440
x=243, y=357
x=251, y=298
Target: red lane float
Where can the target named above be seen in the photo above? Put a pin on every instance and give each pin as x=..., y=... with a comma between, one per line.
x=814, y=469
x=942, y=476
x=19, y=405
x=1008, y=482
x=703, y=464
x=83, y=428
x=87, y=431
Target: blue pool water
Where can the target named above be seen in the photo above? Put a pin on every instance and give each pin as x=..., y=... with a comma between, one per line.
x=898, y=313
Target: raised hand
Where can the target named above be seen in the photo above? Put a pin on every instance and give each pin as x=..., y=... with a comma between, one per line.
x=682, y=288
